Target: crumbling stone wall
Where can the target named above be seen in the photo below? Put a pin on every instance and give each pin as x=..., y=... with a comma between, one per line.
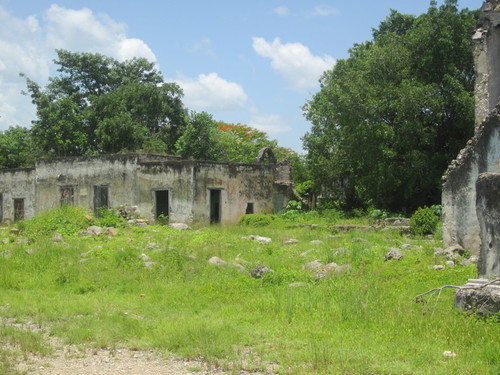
x=24, y=180
x=482, y=153
x=181, y=188
x=486, y=52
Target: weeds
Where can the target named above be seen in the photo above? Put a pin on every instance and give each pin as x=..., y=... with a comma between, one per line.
x=97, y=291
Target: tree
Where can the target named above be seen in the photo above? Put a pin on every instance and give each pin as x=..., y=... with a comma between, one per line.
x=391, y=117
x=241, y=143
x=199, y=138
x=17, y=149
x=98, y=104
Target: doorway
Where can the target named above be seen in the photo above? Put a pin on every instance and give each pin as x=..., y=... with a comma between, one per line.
x=161, y=199
x=18, y=209
x=101, y=197
x=215, y=201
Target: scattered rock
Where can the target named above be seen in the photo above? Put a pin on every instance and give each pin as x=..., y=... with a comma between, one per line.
x=259, y=271
x=393, y=254
x=239, y=267
x=291, y=241
x=313, y=266
x=144, y=257
x=450, y=354
x=149, y=264
x=14, y=231
x=5, y=241
x=316, y=242
x=57, y=237
x=110, y=231
x=262, y=240
x=297, y=284
x=179, y=226
x=94, y=230
x=450, y=263
x=332, y=268
x=357, y=239
x=439, y=267
x=150, y=245
x=30, y=251
x=467, y=262
x=141, y=224
x=217, y=261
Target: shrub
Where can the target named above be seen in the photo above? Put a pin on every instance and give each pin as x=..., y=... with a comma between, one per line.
x=257, y=220
x=109, y=218
x=423, y=221
x=67, y=220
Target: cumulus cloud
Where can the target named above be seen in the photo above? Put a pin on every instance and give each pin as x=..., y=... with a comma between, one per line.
x=294, y=61
x=282, y=11
x=27, y=45
x=269, y=123
x=324, y=11
x=211, y=92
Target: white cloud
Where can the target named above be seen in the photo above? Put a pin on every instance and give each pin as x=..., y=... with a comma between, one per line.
x=269, y=123
x=203, y=46
x=211, y=92
x=83, y=30
x=27, y=45
x=324, y=11
x=294, y=62
x=282, y=11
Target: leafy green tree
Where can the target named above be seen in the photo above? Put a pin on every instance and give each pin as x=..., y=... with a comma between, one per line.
x=199, y=138
x=98, y=104
x=17, y=149
x=389, y=119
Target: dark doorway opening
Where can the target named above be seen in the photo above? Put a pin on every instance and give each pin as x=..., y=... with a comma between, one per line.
x=161, y=198
x=101, y=198
x=249, y=209
x=18, y=209
x=215, y=202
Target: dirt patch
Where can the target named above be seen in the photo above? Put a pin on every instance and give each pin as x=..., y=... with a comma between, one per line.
x=72, y=361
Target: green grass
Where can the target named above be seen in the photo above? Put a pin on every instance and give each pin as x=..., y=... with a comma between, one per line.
x=96, y=291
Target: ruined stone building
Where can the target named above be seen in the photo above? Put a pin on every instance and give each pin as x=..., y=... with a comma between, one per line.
x=461, y=203
x=184, y=190
x=482, y=153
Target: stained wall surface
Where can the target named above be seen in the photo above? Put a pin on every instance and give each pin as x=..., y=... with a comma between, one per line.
x=183, y=190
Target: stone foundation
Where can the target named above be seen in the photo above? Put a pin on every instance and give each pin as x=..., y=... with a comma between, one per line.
x=480, y=295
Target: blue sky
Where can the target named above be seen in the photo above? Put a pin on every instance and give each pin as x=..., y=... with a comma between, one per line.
x=252, y=62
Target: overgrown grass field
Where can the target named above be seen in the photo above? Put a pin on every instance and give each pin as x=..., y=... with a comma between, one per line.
x=96, y=291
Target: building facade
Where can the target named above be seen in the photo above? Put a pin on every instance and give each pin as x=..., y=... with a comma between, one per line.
x=182, y=190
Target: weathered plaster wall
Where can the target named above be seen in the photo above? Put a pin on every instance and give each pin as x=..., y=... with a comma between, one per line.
x=174, y=176
x=482, y=154
x=488, y=213
x=240, y=184
x=24, y=182
x=83, y=173
x=135, y=179
x=487, y=60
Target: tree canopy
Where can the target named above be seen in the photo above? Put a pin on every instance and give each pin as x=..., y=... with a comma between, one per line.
x=100, y=105
x=388, y=119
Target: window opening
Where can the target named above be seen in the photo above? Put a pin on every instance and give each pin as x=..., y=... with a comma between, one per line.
x=249, y=209
x=67, y=195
